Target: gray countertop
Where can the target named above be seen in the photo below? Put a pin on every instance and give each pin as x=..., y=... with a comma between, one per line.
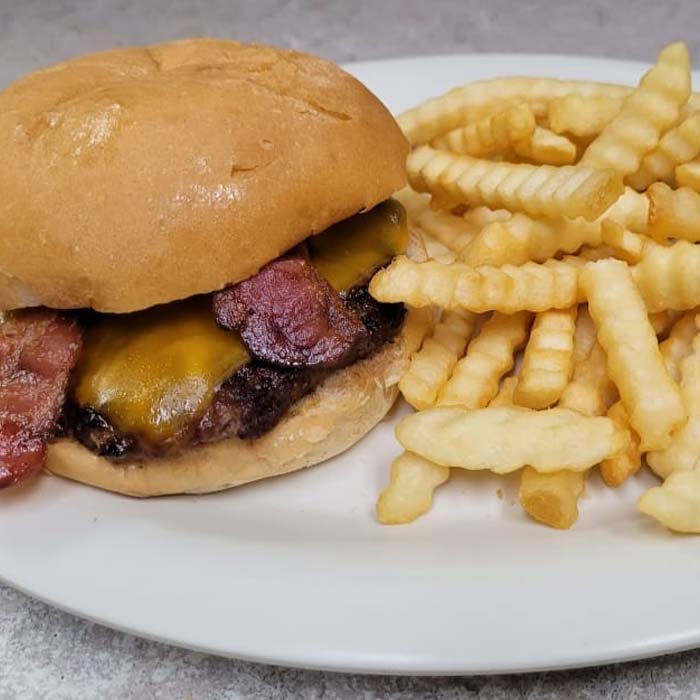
x=51, y=655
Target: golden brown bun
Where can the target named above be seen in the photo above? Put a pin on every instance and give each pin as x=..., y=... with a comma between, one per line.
x=140, y=176
x=330, y=420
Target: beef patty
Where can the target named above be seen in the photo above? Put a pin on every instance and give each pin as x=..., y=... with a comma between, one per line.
x=250, y=402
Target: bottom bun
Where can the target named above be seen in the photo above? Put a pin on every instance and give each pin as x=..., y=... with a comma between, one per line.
x=323, y=424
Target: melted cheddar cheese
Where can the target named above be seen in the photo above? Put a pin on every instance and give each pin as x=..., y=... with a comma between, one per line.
x=348, y=252
x=153, y=372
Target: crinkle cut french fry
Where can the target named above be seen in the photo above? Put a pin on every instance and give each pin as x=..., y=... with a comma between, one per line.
x=409, y=493
x=436, y=250
x=474, y=381
x=538, y=190
x=663, y=321
x=688, y=175
x=504, y=397
x=601, y=252
x=432, y=365
x=668, y=277
x=646, y=114
x=630, y=210
x=450, y=230
x=585, y=335
x=676, y=503
x=415, y=203
x=616, y=470
x=583, y=117
x=684, y=450
x=545, y=147
x=678, y=145
x=548, y=359
x=473, y=101
x=628, y=246
x=635, y=365
x=506, y=438
x=679, y=344
x=590, y=390
x=478, y=217
x=673, y=213
x=508, y=289
x=522, y=238
x=551, y=498
x=492, y=134
x=415, y=327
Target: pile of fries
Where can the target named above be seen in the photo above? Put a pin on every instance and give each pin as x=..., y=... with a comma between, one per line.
x=561, y=220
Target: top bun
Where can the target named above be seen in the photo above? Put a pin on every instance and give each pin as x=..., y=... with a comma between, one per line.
x=140, y=176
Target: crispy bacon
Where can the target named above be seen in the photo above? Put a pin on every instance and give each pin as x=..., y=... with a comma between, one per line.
x=38, y=349
x=290, y=316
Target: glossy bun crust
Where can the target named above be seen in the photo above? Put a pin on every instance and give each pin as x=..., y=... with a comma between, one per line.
x=140, y=176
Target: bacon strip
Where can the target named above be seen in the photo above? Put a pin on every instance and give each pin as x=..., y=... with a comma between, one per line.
x=38, y=350
x=288, y=315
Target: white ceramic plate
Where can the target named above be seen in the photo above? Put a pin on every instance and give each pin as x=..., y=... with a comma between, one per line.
x=296, y=571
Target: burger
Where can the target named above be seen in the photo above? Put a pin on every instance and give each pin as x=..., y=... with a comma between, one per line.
x=186, y=236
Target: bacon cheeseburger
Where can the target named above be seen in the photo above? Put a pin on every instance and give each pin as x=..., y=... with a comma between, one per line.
x=186, y=236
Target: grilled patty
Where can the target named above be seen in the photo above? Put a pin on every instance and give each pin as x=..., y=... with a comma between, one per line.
x=250, y=402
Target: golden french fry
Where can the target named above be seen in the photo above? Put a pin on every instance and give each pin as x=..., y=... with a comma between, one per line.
x=616, y=470
x=679, y=344
x=415, y=203
x=492, y=134
x=415, y=327
x=551, y=498
x=478, y=217
x=646, y=114
x=590, y=391
x=473, y=101
x=676, y=503
x=688, y=175
x=583, y=117
x=635, y=365
x=630, y=210
x=504, y=397
x=506, y=438
x=601, y=252
x=436, y=250
x=548, y=359
x=626, y=245
x=662, y=322
x=543, y=146
x=409, y=493
x=539, y=190
x=673, y=213
x=585, y=335
x=432, y=365
x=508, y=289
x=668, y=277
x=474, y=381
x=450, y=230
x=684, y=450
x=522, y=238
x=677, y=145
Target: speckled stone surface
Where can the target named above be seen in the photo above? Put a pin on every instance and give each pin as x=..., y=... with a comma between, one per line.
x=50, y=655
